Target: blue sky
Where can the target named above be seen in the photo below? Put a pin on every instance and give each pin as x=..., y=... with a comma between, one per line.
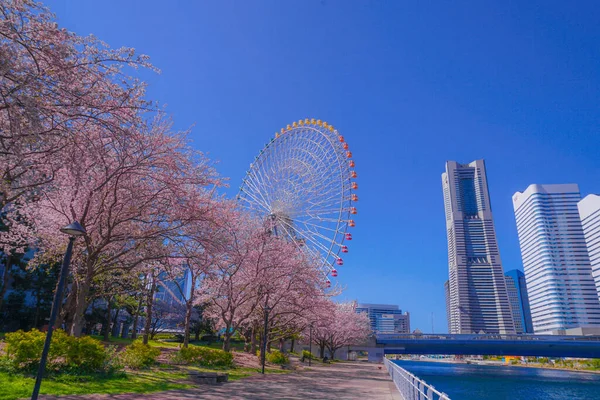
x=409, y=84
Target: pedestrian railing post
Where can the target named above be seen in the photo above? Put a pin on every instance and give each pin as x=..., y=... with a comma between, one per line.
x=410, y=386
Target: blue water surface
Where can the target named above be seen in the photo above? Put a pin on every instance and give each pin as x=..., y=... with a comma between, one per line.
x=467, y=381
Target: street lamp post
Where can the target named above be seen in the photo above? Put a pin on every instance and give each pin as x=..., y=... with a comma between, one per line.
x=73, y=230
x=310, y=343
x=264, y=349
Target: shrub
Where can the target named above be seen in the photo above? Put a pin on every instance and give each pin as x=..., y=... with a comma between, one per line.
x=86, y=353
x=307, y=355
x=24, y=350
x=139, y=355
x=113, y=363
x=277, y=357
x=203, y=356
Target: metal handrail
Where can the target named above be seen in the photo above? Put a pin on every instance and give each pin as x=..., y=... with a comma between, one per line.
x=410, y=386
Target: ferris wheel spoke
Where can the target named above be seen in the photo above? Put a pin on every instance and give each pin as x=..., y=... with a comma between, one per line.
x=255, y=189
x=315, y=254
x=322, y=227
x=303, y=178
x=309, y=237
x=257, y=202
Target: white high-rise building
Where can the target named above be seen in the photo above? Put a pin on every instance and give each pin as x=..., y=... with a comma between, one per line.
x=589, y=211
x=477, y=295
x=561, y=289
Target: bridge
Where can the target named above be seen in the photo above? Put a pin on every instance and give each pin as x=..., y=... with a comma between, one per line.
x=510, y=345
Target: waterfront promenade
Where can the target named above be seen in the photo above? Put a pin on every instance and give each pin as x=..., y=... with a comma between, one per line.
x=348, y=380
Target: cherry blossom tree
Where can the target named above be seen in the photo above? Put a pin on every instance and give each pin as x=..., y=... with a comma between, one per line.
x=55, y=86
x=340, y=326
x=129, y=194
x=194, y=250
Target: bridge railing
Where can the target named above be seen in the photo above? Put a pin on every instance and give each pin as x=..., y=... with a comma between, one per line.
x=410, y=386
x=483, y=337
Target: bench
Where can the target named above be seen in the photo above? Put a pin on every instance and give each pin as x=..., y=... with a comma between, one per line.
x=209, y=378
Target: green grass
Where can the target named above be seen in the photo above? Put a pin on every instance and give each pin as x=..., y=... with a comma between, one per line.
x=111, y=339
x=19, y=386
x=239, y=346
x=128, y=341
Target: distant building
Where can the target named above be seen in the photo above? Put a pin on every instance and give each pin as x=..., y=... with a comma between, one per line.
x=519, y=301
x=386, y=318
x=561, y=288
x=478, y=301
x=173, y=292
x=589, y=211
x=447, y=293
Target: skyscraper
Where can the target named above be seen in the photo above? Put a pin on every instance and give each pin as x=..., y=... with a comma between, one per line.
x=589, y=211
x=561, y=289
x=386, y=318
x=519, y=301
x=477, y=290
x=447, y=293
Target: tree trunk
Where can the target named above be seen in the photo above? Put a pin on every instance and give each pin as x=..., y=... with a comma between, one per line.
x=38, y=305
x=321, y=350
x=149, y=302
x=188, y=314
x=253, y=340
x=136, y=318
x=292, y=345
x=227, y=339
x=281, y=344
x=81, y=302
x=186, y=329
x=332, y=352
x=115, y=331
x=5, y=279
x=108, y=319
x=65, y=315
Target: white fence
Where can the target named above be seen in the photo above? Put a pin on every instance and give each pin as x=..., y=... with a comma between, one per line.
x=410, y=386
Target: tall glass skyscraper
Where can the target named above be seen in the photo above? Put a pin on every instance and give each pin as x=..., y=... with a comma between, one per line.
x=561, y=289
x=589, y=211
x=478, y=300
x=519, y=301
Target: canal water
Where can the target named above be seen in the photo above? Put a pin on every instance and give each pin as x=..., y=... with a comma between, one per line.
x=470, y=382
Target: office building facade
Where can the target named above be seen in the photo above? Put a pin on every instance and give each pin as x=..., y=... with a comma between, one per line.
x=447, y=295
x=589, y=212
x=386, y=318
x=519, y=301
x=561, y=289
x=478, y=299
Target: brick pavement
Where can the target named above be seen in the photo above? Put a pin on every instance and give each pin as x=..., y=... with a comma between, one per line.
x=339, y=381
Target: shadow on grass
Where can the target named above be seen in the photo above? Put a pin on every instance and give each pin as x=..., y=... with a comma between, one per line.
x=19, y=386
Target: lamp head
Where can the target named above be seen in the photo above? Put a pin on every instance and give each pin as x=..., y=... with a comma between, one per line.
x=73, y=229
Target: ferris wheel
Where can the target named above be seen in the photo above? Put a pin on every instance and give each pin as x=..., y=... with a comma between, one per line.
x=302, y=183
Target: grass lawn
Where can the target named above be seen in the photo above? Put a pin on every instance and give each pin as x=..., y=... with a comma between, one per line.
x=239, y=346
x=128, y=341
x=19, y=386
x=155, y=380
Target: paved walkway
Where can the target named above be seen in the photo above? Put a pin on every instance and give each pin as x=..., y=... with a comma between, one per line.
x=339, y=381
